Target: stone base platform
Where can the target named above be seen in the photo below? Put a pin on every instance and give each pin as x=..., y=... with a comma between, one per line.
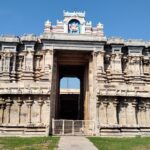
x=23, y=131
x=124, y=131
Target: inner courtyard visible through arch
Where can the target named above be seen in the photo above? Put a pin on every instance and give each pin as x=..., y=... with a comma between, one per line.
x=69, y=100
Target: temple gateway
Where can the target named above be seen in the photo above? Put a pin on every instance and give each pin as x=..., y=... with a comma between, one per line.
x=114, y=75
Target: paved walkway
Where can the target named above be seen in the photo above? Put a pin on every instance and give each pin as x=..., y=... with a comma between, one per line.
x=75, y=143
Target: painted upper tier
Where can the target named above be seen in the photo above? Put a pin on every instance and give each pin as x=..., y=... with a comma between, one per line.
x=74, y=23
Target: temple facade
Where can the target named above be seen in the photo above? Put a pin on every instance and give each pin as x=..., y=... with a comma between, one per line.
x=114, y=79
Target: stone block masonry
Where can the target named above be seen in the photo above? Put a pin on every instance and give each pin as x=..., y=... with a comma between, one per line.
x=117, y=93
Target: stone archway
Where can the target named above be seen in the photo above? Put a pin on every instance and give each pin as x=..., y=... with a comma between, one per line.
x=73, y=64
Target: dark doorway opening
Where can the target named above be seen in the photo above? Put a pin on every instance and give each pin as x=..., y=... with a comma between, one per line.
x=69, y=106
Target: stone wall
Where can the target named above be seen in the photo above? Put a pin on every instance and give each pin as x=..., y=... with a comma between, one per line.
x=24, y=114
x=123, y=115
x=118, y=83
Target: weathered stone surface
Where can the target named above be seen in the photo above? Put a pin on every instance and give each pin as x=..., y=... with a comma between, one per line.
x=116, y=80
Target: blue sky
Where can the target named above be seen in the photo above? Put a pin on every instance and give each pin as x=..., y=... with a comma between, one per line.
x=124, y=18
x=68, y=83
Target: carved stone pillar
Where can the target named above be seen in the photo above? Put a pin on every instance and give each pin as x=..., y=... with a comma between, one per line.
x=144, y=116
x=6, y=71
x=137, y=65
x=7, y=62
x=146, y=65
x=97, y=110
x=1, y=62
x=8, y=107
x=134, y=116
x=141, y=66
x=124, y=64
x=115, y=103
x=123, y=112
x=20, y=64
x=29, y=104
x=108, y=67
x=38, y=62
x=29, y=61
x=148, y=113
x=24, y=62
x=105, y=103
x=49, y=119
x=13, y=71
x=141, y=114
x=2, y=107
x=20, y=102
x=129, y=65
x=40, y=102
x=37, y=68
x=146, y=69
x=48, y=57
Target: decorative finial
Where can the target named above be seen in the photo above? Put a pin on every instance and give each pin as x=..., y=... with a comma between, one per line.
x=47, y=27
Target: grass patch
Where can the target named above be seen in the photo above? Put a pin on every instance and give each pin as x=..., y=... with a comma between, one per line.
x=137, y=143
x=28, y=143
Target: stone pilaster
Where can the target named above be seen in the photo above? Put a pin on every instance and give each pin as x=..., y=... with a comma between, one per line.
x=6, y=67
x=105, y=104
x=108, y=67
x=147, y=113
x=123, y=112
x=146, y=69
x=20, y=102
x=115, y=116
x=20, y=67
x=8, y=107
x=141, y=114
x=13, y=71
x=134, y=114
x=29, y=103
x=40, y=102
x=1, y=64
x=98, y=110
x=2, y=107
x=49, y=111
x=37, y=68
